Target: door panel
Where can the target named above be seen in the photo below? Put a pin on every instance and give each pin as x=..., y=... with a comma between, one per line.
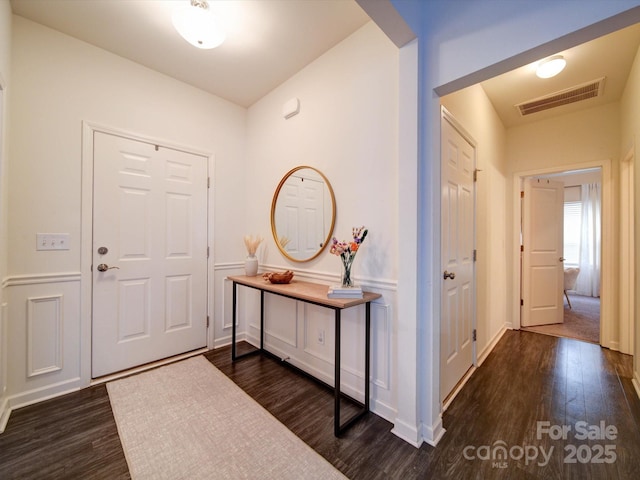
x=543, y=270
x=457, y=244
x=150, y=212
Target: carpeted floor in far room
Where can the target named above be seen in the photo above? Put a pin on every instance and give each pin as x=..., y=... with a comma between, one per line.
x=581, y=322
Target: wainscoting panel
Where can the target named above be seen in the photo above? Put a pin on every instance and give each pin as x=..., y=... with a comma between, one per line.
x=381, y=344
x=4, y=403
x=303, y=334
x=44, y=334
x=280, y=323
x=318, y=332
x=43, y=322
x=3, y=351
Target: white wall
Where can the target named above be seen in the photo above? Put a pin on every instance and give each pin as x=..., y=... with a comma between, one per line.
x=59, y=82
x=5, y=79
x=462, y=43
x=585, y=136
x=568, y=141
x=473, y=109
x=630, y=139
x=348, y=129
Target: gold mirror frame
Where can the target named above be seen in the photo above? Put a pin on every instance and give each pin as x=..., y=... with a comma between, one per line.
x=274, y=231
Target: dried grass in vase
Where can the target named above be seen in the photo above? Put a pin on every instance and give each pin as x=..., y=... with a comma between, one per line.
x=252, y=243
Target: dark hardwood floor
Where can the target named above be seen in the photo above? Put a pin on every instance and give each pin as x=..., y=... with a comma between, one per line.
x=528, y=378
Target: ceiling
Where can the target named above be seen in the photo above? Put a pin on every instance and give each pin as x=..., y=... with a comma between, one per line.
x=267, y=41
x=609, y=56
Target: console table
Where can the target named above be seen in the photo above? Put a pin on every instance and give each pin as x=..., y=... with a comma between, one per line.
x=315, y=294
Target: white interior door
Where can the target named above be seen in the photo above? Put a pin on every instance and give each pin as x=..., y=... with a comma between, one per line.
x=458, y=283
x=149, y=253
x=542, y=267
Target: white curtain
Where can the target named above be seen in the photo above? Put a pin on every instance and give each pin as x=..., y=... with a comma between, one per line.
x=588, y=282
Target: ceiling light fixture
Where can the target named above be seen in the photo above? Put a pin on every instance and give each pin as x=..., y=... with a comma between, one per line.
x=196, y=24
x=551, y=66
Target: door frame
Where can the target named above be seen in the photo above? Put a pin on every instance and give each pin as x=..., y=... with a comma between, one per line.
x=86, y=237
x=607, y=292
x=446, y=116
x=627, y=241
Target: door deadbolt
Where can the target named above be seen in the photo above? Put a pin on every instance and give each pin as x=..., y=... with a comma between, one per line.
x=103, y=267
x=103, y=250
x=449, y=275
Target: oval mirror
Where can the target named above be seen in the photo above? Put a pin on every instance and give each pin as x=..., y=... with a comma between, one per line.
x=303, y=214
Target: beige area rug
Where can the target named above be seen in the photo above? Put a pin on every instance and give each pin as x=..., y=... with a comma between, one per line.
x=187, y=420
x=581, y=322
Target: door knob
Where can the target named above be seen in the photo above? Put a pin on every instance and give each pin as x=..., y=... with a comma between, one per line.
x=449, y=275
x=561, y=259
x=103, y=267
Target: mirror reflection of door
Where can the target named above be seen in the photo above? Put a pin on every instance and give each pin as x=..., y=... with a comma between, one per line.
x=300, y=215
x=303, y=214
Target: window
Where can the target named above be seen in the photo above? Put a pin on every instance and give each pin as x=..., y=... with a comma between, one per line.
x=572, y=229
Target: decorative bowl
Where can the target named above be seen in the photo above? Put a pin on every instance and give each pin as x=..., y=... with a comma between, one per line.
x=278, y=277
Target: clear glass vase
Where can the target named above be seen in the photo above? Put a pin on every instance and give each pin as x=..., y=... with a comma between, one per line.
x=346, y=280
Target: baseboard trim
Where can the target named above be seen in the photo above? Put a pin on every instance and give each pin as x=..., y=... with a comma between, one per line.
x=636, y=383
x=38, y=395
x=408, y=433
x=447, y=401
x=489, y=348
x=434, y=433
x=5, y=412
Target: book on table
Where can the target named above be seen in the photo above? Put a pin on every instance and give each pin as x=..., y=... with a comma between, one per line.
x=338, y=291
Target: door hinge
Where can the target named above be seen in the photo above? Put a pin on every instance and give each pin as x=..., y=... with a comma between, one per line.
x=475, y=336
x=521, y=302
x=475, y=174
x=521, y=194
x=208, y=182
x=207, y=252
x=207, y=321
x=522, y=248
x=475, y=255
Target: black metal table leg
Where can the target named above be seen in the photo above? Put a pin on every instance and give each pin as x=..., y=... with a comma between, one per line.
x=261, y=319
x=234, y=355
x=336, y=389
x=367, y=353
x=233, y=322
x=339, y=428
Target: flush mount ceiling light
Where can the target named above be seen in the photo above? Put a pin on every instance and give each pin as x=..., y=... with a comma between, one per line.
x=551, y=66
x=196, y=24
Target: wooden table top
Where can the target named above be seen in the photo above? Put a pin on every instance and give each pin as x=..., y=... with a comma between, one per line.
x=306, y=291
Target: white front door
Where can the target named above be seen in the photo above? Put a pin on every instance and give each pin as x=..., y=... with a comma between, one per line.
x=456, y=253
x=149, y=253
x=542, y=267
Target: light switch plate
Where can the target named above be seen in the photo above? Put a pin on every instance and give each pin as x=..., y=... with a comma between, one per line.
x=52, y=241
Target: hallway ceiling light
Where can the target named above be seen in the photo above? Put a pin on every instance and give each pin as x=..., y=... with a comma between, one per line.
x=196, y=24
x=551, y=66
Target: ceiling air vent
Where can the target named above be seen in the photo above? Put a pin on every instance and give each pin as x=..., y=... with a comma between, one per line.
x=578, y=93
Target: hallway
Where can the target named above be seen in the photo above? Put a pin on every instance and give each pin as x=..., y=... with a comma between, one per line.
x=581, y=322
